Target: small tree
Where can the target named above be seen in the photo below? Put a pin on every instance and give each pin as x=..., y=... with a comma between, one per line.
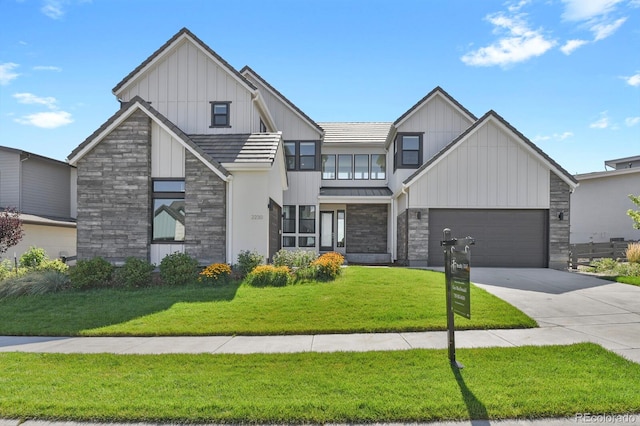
x=10, y=229
x=635, y=214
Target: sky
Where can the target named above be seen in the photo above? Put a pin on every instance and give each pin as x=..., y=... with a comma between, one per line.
x=565, y=73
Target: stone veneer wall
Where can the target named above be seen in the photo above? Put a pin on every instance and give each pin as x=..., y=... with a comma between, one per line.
x=559, y=199
x=418, y=237
x=401, y=241
x=367, y=228
x=114, y=194
x=205, y=213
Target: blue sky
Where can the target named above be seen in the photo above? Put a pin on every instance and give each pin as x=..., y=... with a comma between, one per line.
x=566, y=73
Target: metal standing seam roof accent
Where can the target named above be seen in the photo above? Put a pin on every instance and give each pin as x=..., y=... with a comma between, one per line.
x=355, y=192
x=440, y=90
x=356, y=132
x=247, y=68
x=183, y=31
x=240, y=148
x=491, y=113
x=175, y=129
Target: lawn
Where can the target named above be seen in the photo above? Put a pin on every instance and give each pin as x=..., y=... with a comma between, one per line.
x=633, y=280
x=362, y=299
x=395, y=386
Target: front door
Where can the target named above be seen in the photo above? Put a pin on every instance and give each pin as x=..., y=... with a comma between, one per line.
x=326, y=231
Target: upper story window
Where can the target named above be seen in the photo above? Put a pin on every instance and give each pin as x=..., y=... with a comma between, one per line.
x=361, y=166
x=345, y=166
x=354, y=166
x=168, y=211
x=329, y=166
x=301, y=155
x=378, y=166
x=220, y=114
x=408, y=151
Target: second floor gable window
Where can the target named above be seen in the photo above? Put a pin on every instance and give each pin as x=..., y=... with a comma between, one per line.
x=408, y=151
x=301, y=155
x=220, y=114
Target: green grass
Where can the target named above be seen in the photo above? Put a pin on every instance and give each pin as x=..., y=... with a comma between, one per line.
x=361, y=300
x=400, y=386
x=633, y=280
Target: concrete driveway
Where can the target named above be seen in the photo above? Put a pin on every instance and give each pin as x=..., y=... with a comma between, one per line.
x=570, y=305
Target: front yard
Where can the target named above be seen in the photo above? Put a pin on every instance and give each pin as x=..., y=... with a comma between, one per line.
x=361, y=299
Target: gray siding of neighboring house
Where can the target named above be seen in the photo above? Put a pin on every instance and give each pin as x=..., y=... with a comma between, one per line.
x=45, y=188
x=114, y=208
x=560, y=195
x=367, y=228
x=9, y=179
x=205, y=217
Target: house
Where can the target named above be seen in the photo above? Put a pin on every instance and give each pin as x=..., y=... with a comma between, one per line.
x=601, y=202
x=43, y=191
x=212, y=161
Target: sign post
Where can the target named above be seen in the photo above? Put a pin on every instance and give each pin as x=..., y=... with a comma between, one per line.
x=457, y=275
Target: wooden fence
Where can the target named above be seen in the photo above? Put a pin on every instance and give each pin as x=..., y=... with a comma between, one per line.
x=584, y=254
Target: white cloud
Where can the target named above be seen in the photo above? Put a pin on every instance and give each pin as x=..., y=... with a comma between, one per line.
x=572, y=45
x=30, y=98
x=53, y=8
x=46, y=120
x=631, y=121
x=604, y=30
x=563, y=136
x=519, y=44
x=602, y=122
x=634, y=80
x=7, y=74
x=46, y=68
x=584, y=10
x=556, y=137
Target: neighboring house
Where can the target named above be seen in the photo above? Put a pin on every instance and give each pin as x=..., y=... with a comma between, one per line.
x=250, y=171
x=600, y=204
x=43, y=191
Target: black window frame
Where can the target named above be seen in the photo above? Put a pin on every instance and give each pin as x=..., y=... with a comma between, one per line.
x=160, y=194
x=289, y=241
x=287, y=221
x=302, y=220
x=227, y=115
x=296, y=159
x=307, y=238
x=263, y=127
x=399, y=151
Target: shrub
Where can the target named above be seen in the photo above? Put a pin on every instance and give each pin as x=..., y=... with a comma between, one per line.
x=55, y=265
x=216, y=273
x=178, y=269
x=38, y=282
x=248, y=260
x=633, y=252
x=134, y=273
x=294, y=258
x=605, y=265
x=628, y=269
x=33, y=257
x=328, y=265
x=269, y=276
x=96, y=272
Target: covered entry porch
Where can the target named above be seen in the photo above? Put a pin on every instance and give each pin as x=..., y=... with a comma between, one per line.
x=355, y=223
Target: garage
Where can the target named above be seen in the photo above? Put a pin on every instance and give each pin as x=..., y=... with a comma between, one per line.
x=504, y=238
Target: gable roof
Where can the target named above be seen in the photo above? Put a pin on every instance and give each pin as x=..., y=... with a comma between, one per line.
x=492, y=115
x=184, y=33
x=257, y=148
x=287, y=102
x=137, y=103
x=356, y=133
x=437, y=91
x=31, y=154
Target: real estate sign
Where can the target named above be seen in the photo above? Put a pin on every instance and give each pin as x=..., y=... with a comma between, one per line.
x=460, y=296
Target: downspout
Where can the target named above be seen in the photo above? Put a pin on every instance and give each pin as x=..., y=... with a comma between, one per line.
x=229, y=233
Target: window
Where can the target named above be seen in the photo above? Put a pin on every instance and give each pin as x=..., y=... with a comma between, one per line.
x=168, y=211
x=306, y=241
x=288, y=241
x=378, y=166
x=307, y=223
x=328, y=166
x=289, y=220
x=341, y=228
x=361, y=166
x=263, y=127
x=345, y=166
x=220, y=112
x=301, y=156
x=408, y=151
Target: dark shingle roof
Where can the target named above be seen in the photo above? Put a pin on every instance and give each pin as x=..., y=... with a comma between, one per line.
x=183, y=31
x=240, y=148
x=438, y=89
x=355, y=192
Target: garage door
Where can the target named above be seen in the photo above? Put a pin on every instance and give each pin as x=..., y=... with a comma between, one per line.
x=504, y=238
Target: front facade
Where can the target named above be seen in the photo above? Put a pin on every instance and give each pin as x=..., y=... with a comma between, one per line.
x=43, y=191
x=601, y=202
x=211, y=161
